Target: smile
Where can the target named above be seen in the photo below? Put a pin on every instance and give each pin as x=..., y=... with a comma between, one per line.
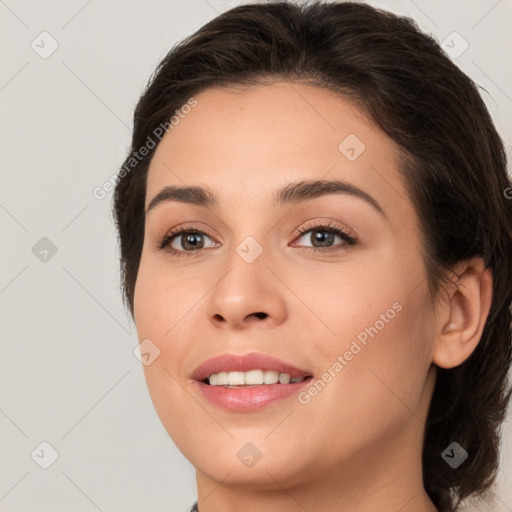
x=251, y=378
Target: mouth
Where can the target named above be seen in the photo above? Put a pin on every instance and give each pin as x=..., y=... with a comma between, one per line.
x=252, y=378
x=248, y=382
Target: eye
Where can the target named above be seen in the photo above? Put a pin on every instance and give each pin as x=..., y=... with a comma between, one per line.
x=323, y=237
x=185, y=239
x=189, y=241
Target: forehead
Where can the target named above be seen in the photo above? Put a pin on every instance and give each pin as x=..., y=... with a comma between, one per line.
x=245, y=143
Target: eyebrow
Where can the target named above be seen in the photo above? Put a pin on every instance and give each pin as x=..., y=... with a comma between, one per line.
x=291, y=193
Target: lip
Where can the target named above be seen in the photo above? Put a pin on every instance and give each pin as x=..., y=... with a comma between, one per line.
x=249, y=398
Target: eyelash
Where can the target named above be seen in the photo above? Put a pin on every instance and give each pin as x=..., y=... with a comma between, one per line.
x=326, y=227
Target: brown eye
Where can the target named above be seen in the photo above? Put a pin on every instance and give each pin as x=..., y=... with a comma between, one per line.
x=185, y=240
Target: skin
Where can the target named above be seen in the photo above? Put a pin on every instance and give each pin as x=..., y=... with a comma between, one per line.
x=356, y=446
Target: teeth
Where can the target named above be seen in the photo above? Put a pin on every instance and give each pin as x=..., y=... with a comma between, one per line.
x=271, y=377
x=284, y=378
x=251, y=378
x=254, y=377
x=222, y=379
x=236, y=379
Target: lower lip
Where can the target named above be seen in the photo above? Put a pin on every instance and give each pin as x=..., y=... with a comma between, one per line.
x=249, y=398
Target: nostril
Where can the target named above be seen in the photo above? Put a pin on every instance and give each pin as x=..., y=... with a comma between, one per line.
x=261, y=315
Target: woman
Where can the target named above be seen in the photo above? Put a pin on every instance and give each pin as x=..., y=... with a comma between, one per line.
x=316, y=243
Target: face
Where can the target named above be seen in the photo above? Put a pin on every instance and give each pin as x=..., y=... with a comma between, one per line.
x=328, y=280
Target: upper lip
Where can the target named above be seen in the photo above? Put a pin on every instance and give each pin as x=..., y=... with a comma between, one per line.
x=245, y=363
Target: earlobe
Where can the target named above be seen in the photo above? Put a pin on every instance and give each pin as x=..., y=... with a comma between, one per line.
x=463, y=313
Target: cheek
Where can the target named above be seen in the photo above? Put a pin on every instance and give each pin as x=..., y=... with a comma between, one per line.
x=162, y=299
x=378, y=343
x=156, y=311
x=372, y=397
x=357, y=302
x=390, y=356
x=160, y=312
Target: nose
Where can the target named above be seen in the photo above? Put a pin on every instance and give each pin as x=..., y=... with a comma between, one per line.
x=248, y=294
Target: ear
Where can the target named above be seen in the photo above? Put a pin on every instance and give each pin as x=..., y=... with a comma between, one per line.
x=462, y=312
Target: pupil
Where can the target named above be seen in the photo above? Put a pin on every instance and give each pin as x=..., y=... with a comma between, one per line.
x=323, y=237
x=191, y=241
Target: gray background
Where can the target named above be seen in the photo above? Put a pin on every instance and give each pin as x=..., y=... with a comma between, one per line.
x=68, y=373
